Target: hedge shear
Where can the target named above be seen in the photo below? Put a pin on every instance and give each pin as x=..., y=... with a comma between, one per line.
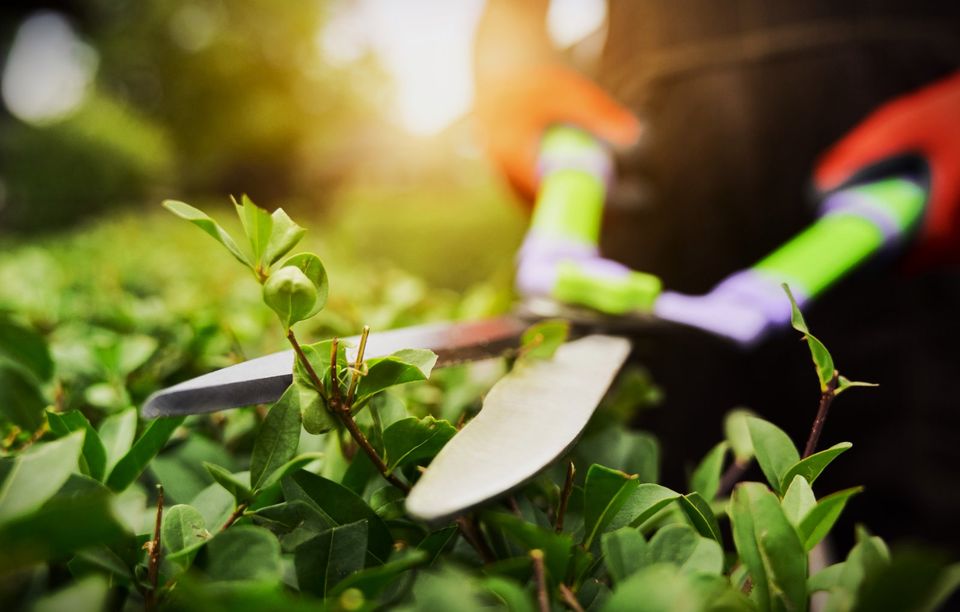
x=529, y=420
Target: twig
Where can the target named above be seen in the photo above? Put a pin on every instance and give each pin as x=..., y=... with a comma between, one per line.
x=342, y=410
x=732, y=476
x=358, y=365
x=539, y=573
x=241, y=508
x=564, y=497
x=302, y=357
x=153, y=565
x=470, y=533
x=569, y=598
x=825, y=400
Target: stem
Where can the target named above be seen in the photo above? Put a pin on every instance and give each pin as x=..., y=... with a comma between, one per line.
x=153, y=565
x=343, y=413
x=543, y=598
x=565, y=497
x=826, y=398
x=732, y=476
x=335, y=399
x=470, y=533
x=569, y=598
x=241, y=508
x=302, y=357
x=358, y=365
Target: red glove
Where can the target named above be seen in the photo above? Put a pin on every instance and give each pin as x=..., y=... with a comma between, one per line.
x=924, y=123
x=514, y=112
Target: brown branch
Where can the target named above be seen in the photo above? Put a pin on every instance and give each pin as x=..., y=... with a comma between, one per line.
x=153, y=564
x=569, y=598
x=539, y=573
x=342, y=410
x=471, y=533
x=564, y=497
x=826, y=398
x=237, y=513
x=732, y=476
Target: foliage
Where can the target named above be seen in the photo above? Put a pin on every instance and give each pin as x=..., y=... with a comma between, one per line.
x=284, y=507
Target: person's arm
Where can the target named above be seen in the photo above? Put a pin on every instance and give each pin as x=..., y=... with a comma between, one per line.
x=893, y=181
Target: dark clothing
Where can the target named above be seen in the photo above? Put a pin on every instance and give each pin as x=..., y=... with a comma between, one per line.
x=739, y=99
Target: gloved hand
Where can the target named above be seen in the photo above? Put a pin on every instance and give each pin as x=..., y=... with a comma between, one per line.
x=924, y=123
x=560, y=258
x=514, y=113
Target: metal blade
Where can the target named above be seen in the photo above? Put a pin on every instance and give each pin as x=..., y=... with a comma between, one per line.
x=528, y=420
x=264, y=379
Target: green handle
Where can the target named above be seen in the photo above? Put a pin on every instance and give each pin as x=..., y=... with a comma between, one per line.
x=858, y=222
x=572, y=190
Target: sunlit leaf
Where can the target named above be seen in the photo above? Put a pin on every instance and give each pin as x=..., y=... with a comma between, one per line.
x=624, y=552
x=290, y=294
x=541, y=340
x=232, y=483
x=257, y=225
x=738, y=434
x=285, y=235
x=685, y=548
x=408, y=365
x=798, y=500
x=822, y=360
x=93, y=459
x=32, y=477
x=208, y=225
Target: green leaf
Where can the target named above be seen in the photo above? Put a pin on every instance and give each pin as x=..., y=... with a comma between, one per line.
x=738, y=434
x=117, y=433
x=328, y=558
x=769, y=547
x=869, y=557
x=401, y=367
x=373, y=580
x=775, y=451
x=277, y=440
x=244, y=552
x=414, y=440
x=26, y=348
x=437, y=542
x=339, y=506
x=290, y=294
x=556, y=547
x=285, y=235
x=683, y=547
x=313, y=269
x=701, y=516
x=88, y=594
x=208, y=225
x=154, y=438
x=706, y=478
x=812, y=466
x=647, y=500
x=183, y=532
x=20, y=399
x=844, y=383
x=237, y=487
x=541, y=340
x=314, y=415
x=297, y=463
x=35, y=475
x=60, y=527
x=624, y=552
x=825, y=579
x=257, y=225
x=822, y=360
x=94, y=456
x=514, y=597
x=605, y=492
x=798, y=500
x=816, y=523
x=665, y=588
x=388, y=503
